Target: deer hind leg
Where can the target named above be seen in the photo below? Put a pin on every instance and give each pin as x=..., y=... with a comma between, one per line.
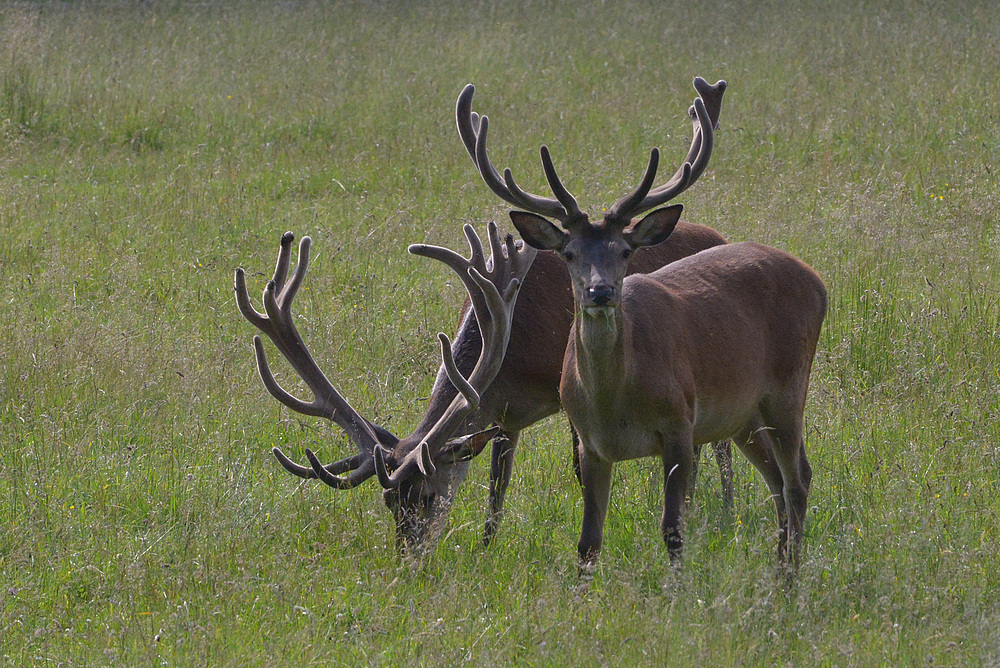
x=693, y=481
x=785, y=422
x=804, y=467
x=501, y=467
x=724, y=458
x=756, y=442
x=595, y=477
x=678, y=459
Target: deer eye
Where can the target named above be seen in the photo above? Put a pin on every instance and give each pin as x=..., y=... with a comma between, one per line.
x=568, y=256
x=627, y=253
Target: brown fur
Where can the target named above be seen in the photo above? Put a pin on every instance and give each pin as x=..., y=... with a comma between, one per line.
x=716, y=345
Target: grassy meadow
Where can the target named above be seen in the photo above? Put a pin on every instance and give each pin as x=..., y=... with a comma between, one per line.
x=147, y=149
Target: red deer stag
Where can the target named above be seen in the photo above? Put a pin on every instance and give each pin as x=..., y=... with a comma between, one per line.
x=716, y=345
x=493, y=287
x=525, y=390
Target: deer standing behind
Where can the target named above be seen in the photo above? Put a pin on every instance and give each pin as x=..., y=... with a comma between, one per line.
x=717, y=345
x=524, y=391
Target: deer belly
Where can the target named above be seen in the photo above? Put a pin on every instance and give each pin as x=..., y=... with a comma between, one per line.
x=618, y=439
x=717, y=422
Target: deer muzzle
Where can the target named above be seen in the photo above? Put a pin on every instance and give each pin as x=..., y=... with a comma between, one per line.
x=601, y=295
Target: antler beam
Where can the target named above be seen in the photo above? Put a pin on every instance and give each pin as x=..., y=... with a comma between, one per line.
x=643, y=198
x=277, y=324
x=473, y=130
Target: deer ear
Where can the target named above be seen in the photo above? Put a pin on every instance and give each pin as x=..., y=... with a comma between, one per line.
x=654, y=228
x=467, y=447
x=538, y=232
x=385, y=437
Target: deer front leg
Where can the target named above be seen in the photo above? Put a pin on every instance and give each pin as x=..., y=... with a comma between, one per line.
x=678, y=458
x=501, y=466
x=595, y=475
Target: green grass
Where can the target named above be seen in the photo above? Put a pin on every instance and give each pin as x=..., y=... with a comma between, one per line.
x=146, y=150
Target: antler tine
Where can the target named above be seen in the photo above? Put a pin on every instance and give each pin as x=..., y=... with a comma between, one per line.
x=256, y=318
x=284, y=259
x=418, y=460
x=677, y=184
x=467, y=120
x=525, y=200
x=628, y=203
x=706, y=139
x=478, y=259
x=516, y=264
x=364, y=470
x=286, y=291
x=341, y=466
x=276, y=322
x=486, y=169
x=460, y=382
x=493, y=288
x=712, y=94
x=313, y=408
x=473, y=130
x=497, y=249
x=573, y=214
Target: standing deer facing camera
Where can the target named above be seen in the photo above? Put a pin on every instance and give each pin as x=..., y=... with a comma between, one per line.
x=716, y=345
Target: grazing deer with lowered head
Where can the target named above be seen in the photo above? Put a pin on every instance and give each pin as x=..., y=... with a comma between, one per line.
x=493, y=287
x=717, y=345
x=525, y=390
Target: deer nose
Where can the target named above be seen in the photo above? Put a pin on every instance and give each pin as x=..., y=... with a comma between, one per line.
x=600, y=295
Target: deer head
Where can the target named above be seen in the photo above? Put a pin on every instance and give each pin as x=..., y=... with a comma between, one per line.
x=597, y=254
x=423, y=479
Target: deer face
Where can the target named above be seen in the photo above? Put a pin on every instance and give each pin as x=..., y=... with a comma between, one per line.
x=421, y=500
x=597, y=256
x=420, y=507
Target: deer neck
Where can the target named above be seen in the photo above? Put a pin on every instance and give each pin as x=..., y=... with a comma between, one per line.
x=465, y=348
x=599, y=341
